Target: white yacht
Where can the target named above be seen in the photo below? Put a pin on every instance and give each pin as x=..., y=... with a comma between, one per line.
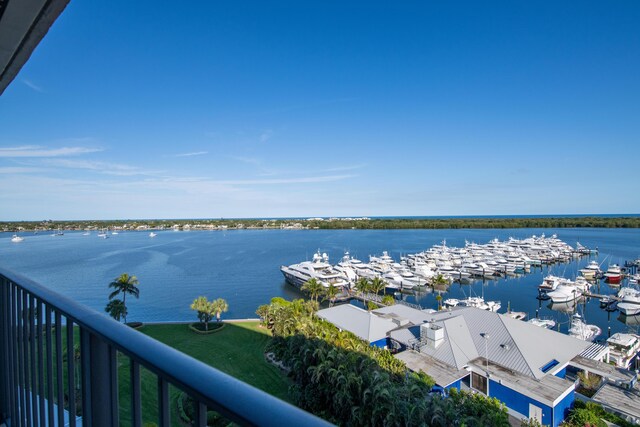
x=152, y=234
x=543, y=323
x=623, y=348
x=564, y=292
x=16, y=238
x=630, y=301
x=579, y=329
x=591, y=271
x=319, y=268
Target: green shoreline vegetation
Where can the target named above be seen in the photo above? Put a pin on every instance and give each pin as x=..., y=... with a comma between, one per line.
x=328, y=223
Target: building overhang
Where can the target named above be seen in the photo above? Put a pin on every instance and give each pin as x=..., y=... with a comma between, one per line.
x=23, y=23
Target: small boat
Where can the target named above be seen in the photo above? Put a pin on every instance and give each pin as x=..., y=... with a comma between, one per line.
x=518, y=315
x=114, y=233
x=152, y=234
x=579, y=329
x=591, y=271
x=564, y=293
x=451, y=302
x=613, y=274
x=630, y=301
x=16, y=238
x=543, y=323
x=86, y=233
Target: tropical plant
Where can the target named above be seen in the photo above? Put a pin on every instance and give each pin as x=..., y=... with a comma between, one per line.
x=388, y=300
x=377, y=285
x=340, y=377
x=330, y=294
x=438, y=281
x=206, y=310
x=220, y=306
x=363, y=285
x=313, y=287
x=116, y=309
x=125, y=285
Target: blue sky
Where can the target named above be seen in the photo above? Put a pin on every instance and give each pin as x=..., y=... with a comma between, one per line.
x=329, y=108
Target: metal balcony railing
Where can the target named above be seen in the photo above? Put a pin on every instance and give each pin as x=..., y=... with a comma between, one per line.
x=39, y=362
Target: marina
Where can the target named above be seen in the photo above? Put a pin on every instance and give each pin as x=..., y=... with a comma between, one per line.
x=243, y=266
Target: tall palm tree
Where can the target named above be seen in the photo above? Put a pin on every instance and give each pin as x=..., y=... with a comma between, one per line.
x=220, y=306
x=377, y=285
x=124, y=284
x=363, y=285
x=313, y=288
x=331, y=293
x=116, y=309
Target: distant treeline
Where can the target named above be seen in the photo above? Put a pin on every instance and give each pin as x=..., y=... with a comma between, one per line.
x=545, y=222
x=366, y=224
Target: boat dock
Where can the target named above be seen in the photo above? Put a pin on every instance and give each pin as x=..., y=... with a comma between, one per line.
x=600, y=296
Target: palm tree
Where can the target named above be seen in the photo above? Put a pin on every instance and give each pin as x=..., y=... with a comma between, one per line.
x=331, y=293
x=124, y=284
x=116, y=309
x=313, y=288
x=377, y=285
x=220, y=306
x=363, y=285
x=439, y=282
x=206, y=310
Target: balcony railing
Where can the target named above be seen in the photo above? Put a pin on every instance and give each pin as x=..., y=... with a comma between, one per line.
x=39, y=362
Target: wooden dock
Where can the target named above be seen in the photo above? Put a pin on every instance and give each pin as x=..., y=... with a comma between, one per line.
x=600, y=296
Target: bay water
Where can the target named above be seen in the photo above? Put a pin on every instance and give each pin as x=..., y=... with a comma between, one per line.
x=243, y=267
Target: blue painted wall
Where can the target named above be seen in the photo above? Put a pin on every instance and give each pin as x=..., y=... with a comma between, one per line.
x=380, y=343
x=455, y=384
x=562, y=373
x=519, y=402
x=561, y=410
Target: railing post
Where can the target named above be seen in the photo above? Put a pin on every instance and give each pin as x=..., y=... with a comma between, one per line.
x=4, y=349
x=100, y=383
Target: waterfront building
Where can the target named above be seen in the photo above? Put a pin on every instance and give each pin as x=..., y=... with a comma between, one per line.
x=530, y=369
x=362, y=323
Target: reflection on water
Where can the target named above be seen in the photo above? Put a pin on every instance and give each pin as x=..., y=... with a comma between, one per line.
x=565, y=307
x=629, y=320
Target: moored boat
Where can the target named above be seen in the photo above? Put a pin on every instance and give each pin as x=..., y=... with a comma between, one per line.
x=581, y=330
x=613, y=274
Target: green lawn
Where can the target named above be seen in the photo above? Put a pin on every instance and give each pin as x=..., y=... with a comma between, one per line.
x=237, y=349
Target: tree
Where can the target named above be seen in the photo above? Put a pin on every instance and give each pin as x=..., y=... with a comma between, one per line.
x=388, y=300
x=206, y=310
x=124, y=284
x=220, y=306
x=116, y=309
x=439, y=282
x=378, y=285
x=363, y=285
x=313, y=288
x=331, y=293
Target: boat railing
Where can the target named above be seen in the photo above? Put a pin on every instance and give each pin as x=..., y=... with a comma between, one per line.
x=62, y=363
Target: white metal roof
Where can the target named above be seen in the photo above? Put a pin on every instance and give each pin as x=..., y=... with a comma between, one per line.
x=362, y=323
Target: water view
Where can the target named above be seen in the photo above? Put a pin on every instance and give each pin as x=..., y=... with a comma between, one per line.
x=243, y=267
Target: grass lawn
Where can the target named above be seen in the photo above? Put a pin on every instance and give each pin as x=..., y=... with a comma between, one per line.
x=237, y=349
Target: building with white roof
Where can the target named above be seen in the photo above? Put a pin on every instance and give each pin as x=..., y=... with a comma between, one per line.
x=362, y=323
x=518, y=363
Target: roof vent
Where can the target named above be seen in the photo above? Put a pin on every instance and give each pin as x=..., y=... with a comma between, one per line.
x=505, y=346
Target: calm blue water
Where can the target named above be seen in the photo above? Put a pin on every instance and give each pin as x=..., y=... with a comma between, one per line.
x=242, y=266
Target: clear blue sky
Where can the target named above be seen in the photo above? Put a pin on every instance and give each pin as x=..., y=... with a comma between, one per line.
x=140, y=109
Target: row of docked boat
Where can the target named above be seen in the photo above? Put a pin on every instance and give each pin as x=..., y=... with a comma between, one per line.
x=447, y=263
